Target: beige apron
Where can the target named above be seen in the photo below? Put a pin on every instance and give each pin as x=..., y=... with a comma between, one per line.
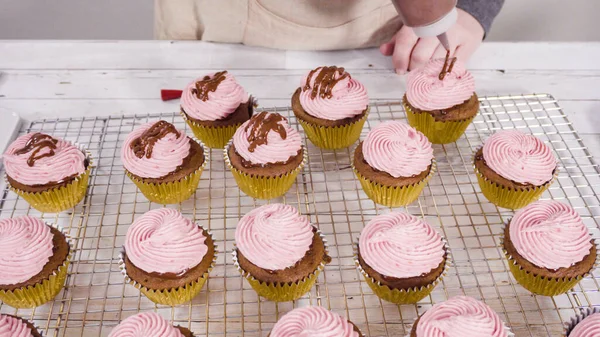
x=282, y=24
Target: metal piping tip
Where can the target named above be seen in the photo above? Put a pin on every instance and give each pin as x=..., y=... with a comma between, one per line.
x=444, y=40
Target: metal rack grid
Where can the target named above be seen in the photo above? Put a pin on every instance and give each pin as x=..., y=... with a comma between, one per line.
x=96, y=299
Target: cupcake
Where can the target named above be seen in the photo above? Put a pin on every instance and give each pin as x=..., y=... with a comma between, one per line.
x=34, y=258
x=548, y=247
x=279, y=252
x=401, y=257
x=514, y=169
x=148, y=324
x=265, y=156
x=51, y=174
x=312, y=321
x=12, y=326
x=163, y=162
x=460, y=316
x=214, y=106
x=587, y=324
x=440, y=100
x=167, y=256
x=394, y=163
x=331, y=106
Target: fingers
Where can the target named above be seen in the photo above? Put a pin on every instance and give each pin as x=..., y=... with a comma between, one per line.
x=387, y=49
x=422, y=52
x=463, y=52
x=405, y=41
x=439, y=53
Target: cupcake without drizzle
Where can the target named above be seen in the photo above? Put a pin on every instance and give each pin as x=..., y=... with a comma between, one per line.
x=167, y=256
x=549, y=248
x=148, y=324
x=314, y=321
x=394, y=163
x=331, y=106
x=12, y=326
x=585, y=325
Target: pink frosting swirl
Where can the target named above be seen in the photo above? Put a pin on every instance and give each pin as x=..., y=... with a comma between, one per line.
x=461, y=316
x=220, y=103
x=589, y=327
x=401, y=245
x=148, y=324
x=427, y=92
x=13, y=327
x=519, y=157
x=276, y=150
x=349, y=97
x=163, y=241
x=398, y=149
x=168, y=153
x=66, y=161
x=313, y=322
x=25, y=248
x=550, y=235
x=274, y=237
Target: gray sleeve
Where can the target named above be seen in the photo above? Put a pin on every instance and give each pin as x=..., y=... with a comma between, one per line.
x=483, y=10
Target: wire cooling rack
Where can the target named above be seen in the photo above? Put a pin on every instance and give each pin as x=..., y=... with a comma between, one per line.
x=96, y=298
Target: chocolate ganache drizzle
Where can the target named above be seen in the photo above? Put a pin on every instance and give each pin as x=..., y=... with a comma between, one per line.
x=37, y=143
x=259, y=127
x=325, y=81
x=208, y=84
x=143, y=145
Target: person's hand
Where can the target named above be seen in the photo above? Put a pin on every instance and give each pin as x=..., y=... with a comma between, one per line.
x=409, y=52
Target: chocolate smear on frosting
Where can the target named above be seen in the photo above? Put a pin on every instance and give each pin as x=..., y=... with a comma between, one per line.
x=260, y=125
x=325, y=81
x=208, y=84
x=37, y=143
x=447, y=68
x=144, y=144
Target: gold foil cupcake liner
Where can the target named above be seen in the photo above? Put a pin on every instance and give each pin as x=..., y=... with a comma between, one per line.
x=264, y=187
x=546, y=286
x=438, y=132
x=41, y=292
x=58, y=199
x=172, y=192
x=282, y=292
x=403, y=296
x=572, y=323
x=172, y=296
x=334, y=137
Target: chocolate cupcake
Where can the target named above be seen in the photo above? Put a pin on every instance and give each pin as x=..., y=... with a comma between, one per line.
x=51, y=174
x=214, y=106
x=586, y=324
x=331, y=106
x=167, y=256
x=279, y=252
x=34, y=258
x=440, y=100
x=514, y=169
x=13, y=326
x=394, y=163
x=401, y=257
x=265, y=156
x=548, y=247
x=460, y=316
x=312, y=321
x=148, y=324
x=163, y=162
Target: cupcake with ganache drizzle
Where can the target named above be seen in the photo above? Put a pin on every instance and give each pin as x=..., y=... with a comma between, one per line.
x=12, y=326
x=401, y=257
x=514, y=169
x=279, y=252
x=548, y=247
x=214, y=106
x=460, y=316
x=440, y=100
x=49, y=173
x=331, y=106
x=163, y=162
x=394, y=163
x=148, y=324
x=167, y=256
x=34, y=258
x=314, y=321
x=265, y=156
x=586, y=324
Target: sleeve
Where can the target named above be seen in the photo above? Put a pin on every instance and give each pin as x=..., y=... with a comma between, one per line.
x=176, y=20
x=483, y=10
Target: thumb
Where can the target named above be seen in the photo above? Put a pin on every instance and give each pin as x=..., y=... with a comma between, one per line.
x=387, y=48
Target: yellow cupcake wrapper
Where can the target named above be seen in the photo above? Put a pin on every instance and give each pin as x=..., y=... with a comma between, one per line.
x=546, y=286
x=172, y=296
x=393, y=196
x=175, y=191
x=438, y=132
x=56, y=200
x=213, y=136
x=44, y=291
x=585, y=312
x=334, y=137
x=506, y=197
x=282, y=292
x=402, y=296
x=264, y=187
